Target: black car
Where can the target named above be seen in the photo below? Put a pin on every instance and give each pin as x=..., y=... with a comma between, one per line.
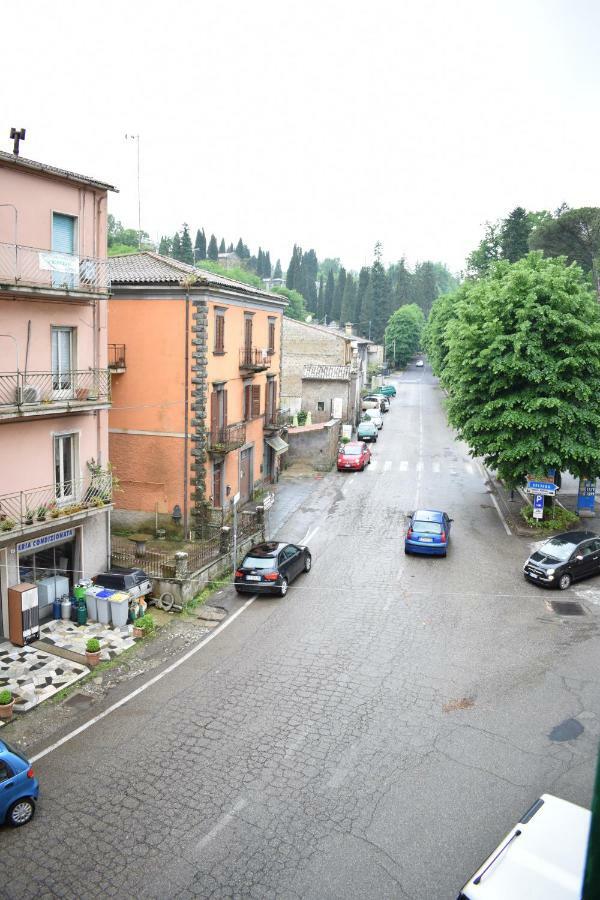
x=564, y=558
x=270, y=567
x=130, y=580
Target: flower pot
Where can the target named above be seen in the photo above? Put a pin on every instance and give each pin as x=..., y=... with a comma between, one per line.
x=6, y=710
x=138, y=632
x=92, y=658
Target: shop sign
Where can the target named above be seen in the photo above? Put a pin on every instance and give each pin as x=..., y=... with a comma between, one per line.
x=45, y=540
x=59, y=262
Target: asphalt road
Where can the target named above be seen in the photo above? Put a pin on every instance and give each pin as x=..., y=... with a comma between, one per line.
x=372, y=735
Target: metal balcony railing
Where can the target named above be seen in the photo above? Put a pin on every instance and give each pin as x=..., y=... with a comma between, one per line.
x=41, y=389
x=224, y=440
x=253, y=359
x=116, y=357
x=34, y=267
x=54, y=501
x=274, y=419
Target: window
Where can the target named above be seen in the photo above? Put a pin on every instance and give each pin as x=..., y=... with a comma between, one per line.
x=321, y=406
x=219, y=331
x=64, y=466
x=63, y=246
x=271, y=335
x=62, y=361
x=247, y=331
x=251, y=401
x=270, y=399
x=217, y=493
x=5, y=772
x=218, y=409
x=255, y=401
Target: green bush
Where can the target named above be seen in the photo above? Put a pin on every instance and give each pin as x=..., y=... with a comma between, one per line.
x=302, y=416
x=559, y=520
x=5, y=698
x=146, y=623
x=93, y=645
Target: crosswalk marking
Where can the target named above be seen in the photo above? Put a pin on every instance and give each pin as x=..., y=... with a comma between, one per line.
x=389, y=465
x=404, y=465
x=435, y=467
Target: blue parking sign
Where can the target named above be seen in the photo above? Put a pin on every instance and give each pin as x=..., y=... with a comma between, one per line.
x=538, y=506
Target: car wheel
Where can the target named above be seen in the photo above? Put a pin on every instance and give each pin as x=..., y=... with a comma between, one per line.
x=307, y=562
x=564, y=581
x=283, y=587
x=20, y=813
x=406, y=550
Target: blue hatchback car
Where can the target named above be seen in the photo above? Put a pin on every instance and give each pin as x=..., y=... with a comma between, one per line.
x=19, y=788
x=428, y=532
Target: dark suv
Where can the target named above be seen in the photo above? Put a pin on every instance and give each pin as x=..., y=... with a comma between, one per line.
x=564, y=558
x=133, y=581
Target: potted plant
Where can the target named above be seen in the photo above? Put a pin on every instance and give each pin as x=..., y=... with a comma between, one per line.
x=41, y=513
x=143, y=626
x=6, y=704
x=54, y=513
x=98, y=502
x=28, y=516
x=7, y=525
x=92, y=652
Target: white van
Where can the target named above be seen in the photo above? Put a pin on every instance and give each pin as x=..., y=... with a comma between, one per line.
x=542, y=858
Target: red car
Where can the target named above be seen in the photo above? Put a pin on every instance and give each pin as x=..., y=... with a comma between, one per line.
x=355, y=455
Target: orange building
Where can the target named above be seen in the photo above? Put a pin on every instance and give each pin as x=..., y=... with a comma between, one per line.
x=196, y=361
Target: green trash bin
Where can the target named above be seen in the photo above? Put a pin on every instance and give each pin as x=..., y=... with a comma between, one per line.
x=81, y=611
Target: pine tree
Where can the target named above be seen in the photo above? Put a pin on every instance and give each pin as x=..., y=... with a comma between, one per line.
x=340, y=284
x=378, y=295
x=230, y=248
x=260, y=263
x=402, y=293
x=239, y=248
x=348, y=310
x=213, y=250
x=514, y=236
x=267, y=264
x=425, y=286
x=164, y=248
x=292, y=274
x=187, y=255
x=176, y=246
x=277, y=273
x=200, y=245
x=361, y=316
x=310, y=272
x=329, y=293
x=320, y=299
x=222, y=246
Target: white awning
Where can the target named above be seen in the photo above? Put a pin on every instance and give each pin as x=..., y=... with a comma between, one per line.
x=277, y=443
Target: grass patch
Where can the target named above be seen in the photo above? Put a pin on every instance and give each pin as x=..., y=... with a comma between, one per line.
x=560, y=519
x=212, y=586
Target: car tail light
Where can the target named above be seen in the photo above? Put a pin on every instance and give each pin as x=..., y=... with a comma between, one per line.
x=271, y=576
x=239, y=574
x=443, y=536
x=409, y=533
x=30, y=773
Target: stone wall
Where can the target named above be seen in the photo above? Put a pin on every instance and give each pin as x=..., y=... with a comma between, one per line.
x=304, y=344
x=314, y=444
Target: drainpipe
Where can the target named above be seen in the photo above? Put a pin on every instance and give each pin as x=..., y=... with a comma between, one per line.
x=186, y=284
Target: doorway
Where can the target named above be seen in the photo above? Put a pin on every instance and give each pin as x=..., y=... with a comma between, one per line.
x=246, y=478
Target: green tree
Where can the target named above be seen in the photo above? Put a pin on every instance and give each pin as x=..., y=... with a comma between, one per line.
x=524, y=344
x=514, y=235
x=425, y=288
x=310, y=273
x=435, y=335
x=329, y=294
x=187, y=255
x=401, y=278
x=222, y=246
x=165, y=246
x=329, y=265
x=200, y=245
x=340, y=284
x=239, y=248
x=574, y=233
x=213, y=250
x=295, y=308
x=403, y=333
x=348, y=311
x=320, y=299
x=292, y=276
x=259, y=263
x=362, y=314
x=277, y=271
x=267, y=264
x=230, y=248
x=376, y=308
x=176, y=247
x=489, y=251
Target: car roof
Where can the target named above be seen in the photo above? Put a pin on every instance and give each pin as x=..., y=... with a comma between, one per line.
x=266, y=549
x=366, y=423
x=354, y=444
x=428, y=515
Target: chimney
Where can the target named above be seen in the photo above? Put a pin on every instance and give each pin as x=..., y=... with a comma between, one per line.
x=348, y=328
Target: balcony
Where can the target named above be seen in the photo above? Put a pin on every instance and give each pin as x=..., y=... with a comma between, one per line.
x=49, y=393
x=116, y=358
x=275, y=419
x=226, y=439
x=253, y=360
x=29, y=268
x=52, y=504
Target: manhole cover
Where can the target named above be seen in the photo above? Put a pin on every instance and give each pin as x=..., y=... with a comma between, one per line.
x=567, y=608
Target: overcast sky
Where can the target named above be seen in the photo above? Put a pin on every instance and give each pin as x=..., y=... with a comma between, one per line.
x=331, y=124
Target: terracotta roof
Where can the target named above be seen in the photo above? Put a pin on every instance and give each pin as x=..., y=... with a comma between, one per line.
x=148, y=267
x=326, y=373
x=20, y=162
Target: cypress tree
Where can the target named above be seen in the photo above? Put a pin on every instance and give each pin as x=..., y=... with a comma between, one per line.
x=339, y=293
x=267, y=264
x=222, y=246
x=348, y=310
x=239, y=248
x=200, y=245
x=320, y=299
x=176, y=246
x=164, y=248
x=329, y=293
x=260, y=263
x=277, y=272
x=187, y=255
x=310, y=271
x=291, y=276
x=362, y=315
x=402, y=294
x=230, y=248
x=213, y=250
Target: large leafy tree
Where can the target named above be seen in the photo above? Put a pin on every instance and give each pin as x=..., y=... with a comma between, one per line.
x=489, y=251
x=403, y=333
x=435, y=335
x=523, y=369
x=296, y=308
x=574, y=233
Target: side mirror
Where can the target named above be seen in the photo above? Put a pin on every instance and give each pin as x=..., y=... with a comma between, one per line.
x=579, y=557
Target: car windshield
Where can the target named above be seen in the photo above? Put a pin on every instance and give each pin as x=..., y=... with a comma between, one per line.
x=259, y=562
x=558, y=548
x=350, y=451
x=427, y=527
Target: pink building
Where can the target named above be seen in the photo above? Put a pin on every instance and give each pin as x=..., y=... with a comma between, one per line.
x=55, y=489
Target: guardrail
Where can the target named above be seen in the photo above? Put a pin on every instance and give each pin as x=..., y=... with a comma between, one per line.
x=226, y=439
x=116, y=356
x=256, y=360
x=52, y=501
x=36, y=267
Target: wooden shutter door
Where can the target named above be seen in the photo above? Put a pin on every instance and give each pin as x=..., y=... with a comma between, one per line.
x=224, y=409
x=248, y=333
x=214, y=411
x=255, y=401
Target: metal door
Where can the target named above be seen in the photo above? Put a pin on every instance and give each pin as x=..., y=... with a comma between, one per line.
x=245, y=475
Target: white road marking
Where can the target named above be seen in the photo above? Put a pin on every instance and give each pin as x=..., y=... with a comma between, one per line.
x=221, y=824
x=387, y=465
x=419, y=470
x=502, y=519
x=310, y=534
x=435, y=467
x=404, y=465
x=469, y=468
x=144, y=687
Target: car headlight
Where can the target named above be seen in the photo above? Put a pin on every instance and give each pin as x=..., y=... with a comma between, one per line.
x=550, y=571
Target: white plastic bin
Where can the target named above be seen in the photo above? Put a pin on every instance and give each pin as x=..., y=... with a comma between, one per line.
x=103, y=605
x=90, y=600
x=119, y=609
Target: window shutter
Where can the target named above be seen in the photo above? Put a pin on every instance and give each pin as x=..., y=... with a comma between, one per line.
x=248, y=333
x=247, y=401
x=220, y=333
x=224, y=409
x=214, y=411
x=255, y=401
x=272, y=336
